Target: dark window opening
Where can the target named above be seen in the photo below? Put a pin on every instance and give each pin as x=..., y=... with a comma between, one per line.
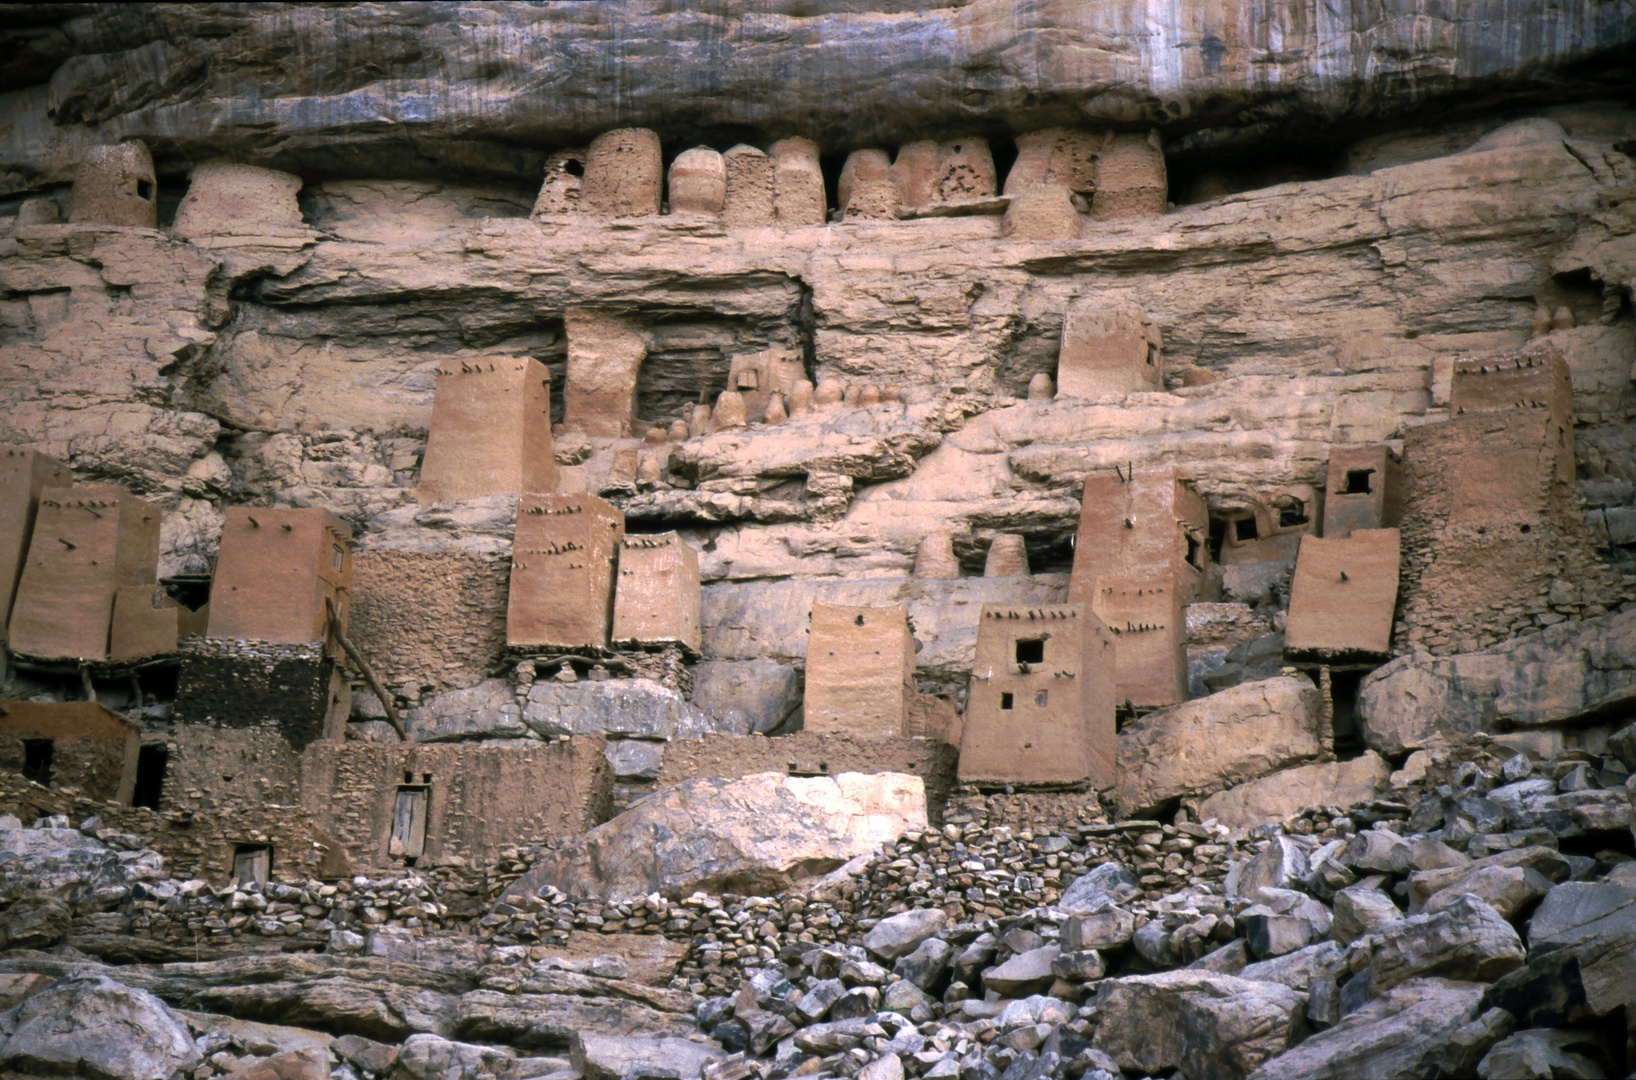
x=37, y=761
x=1343, y=696
x=151, y=762
x=144, y=190
x=1357, y=482
x=1244, y=529
x=252, y=863
x=574, y=167
x=1039, y=697
x=408, y=838
x=1031, y=651
x=1527, y=528
x=1193, y=552
x=1292, y=515
x=1005, y=701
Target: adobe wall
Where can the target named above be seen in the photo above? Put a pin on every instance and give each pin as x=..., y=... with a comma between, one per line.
x=813, y=753
x=1378, y=471
x=89, y=541
x=221, y=770
x=227, y=199
x=1055, y=157
x=563, y=185
x=1343, y=594
x=1107, y=349
x=756, y=376
x=93, y=750
x=1535, y=377
x=139, y=629
x=1041, y=212
x=624, y=174
x=1130, y=178
x=605, y=352
x=860, y=670
x=24, y=475
x=562, y=572
x=698, y=182
x=115, y=185
x=1141, y=525
x=932, y=173
x=429, y=620
x=276, y=569
x=490, y=431
x=657, y=598
x=193, y=845
x=866, y=190
x=751, y=197
x=798, y=183
x=297, y=691
x=483, y=797
x=1044, y=721
x=1488, y=532
x=1146, y=617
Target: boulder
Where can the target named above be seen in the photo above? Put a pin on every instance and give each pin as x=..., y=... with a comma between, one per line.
x=896, y=935
x=756, y=834
x=1571, y=905
x=1201, y=1024
x=614, y=1057
x=1467, y=939
x=432, y=1057
x=1580, y=971
x=761, y=696
x=1026, y=973
x=67, y=864
x=1544, y=1054
x=1289, y=791
x=1423, y=884
x=1199, y=747
x=634, y=708
x=93, y=1027
x=1386, y=1037
x=1362, y=909
x=34, y=922
x=1107, y=885
x=1299, y=969
x=488, y=710
x=1571, y=671
x=1282, y=864
x=1110, y=928
x=1509, y=890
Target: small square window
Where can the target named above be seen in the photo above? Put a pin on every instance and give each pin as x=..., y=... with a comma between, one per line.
x=1031, y=651
x=1244, y=529
x=1005, y=701
x=1358, y=482
x=1039, y=697
x=252, y=863
x=337, y=556
x=144, y=190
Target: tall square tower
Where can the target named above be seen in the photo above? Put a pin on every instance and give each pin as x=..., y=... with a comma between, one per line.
x=860, y=670
x=1041, y=704
x=562, y=572
x=491, y=430
x=277, y=569
x=1364, y=490
x=657, y=598
x=89, y=541
x=24, y=474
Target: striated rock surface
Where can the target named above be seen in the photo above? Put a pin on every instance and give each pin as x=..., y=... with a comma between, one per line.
x=459, y=83
x=1569, y=672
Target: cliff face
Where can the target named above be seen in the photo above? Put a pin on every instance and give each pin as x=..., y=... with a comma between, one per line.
x=485, y=89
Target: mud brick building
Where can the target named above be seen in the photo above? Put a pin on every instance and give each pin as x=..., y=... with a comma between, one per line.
x=76, y=744
x=491, y=430
x=562, y=572
x=279, y=573
x=657, y=598
x=1107, y=349
x=24, y=475
x=1344, y=594
x=89, y=541
x=860, y=669
x=1364, y=490
x=1041, y=705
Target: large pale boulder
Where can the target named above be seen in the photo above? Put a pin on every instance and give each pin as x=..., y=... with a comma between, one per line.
x=66, y=863
x=1467, y=939
x=615, y=1057
x=1287, y=792
x=488, y=710
x=1203, y=1024
x=634, y=708
x=1568, y=671
x=1198, y=747
x=755, y=834
x=93, y=1027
